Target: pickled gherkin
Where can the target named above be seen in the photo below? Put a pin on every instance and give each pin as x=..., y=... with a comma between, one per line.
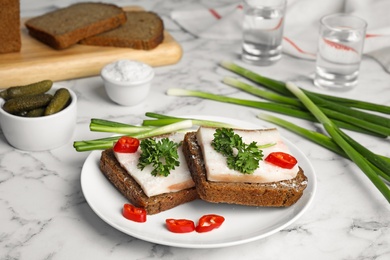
x=3, y=94
x=26, y=103
x=29, y=90
x=60, y=100
x=35, y=112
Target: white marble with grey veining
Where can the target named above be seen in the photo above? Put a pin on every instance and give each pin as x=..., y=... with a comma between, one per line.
x=43, y=213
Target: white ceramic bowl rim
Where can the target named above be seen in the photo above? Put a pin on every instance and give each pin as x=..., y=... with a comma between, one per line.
x=129, y=83
x=149, y=77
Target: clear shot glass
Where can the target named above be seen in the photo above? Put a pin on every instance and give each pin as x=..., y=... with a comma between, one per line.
x=339, y=54
x=263, y=31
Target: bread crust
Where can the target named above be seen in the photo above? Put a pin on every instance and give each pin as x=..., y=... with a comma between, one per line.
x=10, y=38
x=132, y=191
x=67, y=26
x=274, y=194
x=142, y=31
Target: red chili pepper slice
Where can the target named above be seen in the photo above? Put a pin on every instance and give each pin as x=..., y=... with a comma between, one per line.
x=180, y=225
x=281, y=159
x=209, y=222
x=126, y=144
x=133, y=213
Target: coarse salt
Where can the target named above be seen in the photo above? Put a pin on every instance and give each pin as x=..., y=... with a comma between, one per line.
x=127, y=71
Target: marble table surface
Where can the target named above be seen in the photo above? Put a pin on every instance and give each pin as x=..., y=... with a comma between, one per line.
x=44, y=214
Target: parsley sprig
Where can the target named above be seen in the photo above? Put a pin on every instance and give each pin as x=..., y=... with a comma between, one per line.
x=162, y=155
x=239, y=155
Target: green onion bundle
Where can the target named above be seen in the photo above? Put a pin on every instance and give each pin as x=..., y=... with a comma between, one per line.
x=159, y=125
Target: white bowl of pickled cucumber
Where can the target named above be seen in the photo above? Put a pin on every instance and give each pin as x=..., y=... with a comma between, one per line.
x=38, y=116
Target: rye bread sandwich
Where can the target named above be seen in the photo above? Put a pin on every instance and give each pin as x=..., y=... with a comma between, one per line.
x=66, y=26
x=269, y=185
x=143, y=189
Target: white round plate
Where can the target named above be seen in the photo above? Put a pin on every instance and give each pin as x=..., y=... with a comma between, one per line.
x=242, y=224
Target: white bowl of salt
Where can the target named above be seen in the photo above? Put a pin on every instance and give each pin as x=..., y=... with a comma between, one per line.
x=127, y=82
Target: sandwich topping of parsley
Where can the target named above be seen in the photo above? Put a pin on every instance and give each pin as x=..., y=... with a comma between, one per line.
x=240, y=156
x=162, y=155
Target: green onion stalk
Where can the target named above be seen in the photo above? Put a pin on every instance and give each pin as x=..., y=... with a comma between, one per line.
x=101, y=125
x=105, y=143
x=340, y=139
x=280, y=108
x=160, y=120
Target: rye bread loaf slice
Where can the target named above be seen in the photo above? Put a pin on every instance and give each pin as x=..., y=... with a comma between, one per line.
x=10, y=38
x=142, y=31
x=274, y=194
x=131, y=190
x=66, y=26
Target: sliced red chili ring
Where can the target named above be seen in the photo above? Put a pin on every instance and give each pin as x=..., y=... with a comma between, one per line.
x=133, y=213
x=180, y=225
x=209, y=222
x=126, y=144
x=281, y=159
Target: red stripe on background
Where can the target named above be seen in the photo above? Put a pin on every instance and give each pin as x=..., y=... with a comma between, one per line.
x=215, y=13
x=296, y=47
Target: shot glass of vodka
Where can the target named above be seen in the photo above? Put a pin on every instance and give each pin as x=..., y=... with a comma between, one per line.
x=339, y=54
x=263, y=31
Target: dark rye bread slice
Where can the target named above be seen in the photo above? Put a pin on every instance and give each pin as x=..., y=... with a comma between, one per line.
x=66, y=26
x=142, y=31
x=131, y=190
x=275, y=194
x=10, y=38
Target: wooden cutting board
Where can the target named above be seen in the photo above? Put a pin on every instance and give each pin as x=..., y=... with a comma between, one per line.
x=37, y=61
